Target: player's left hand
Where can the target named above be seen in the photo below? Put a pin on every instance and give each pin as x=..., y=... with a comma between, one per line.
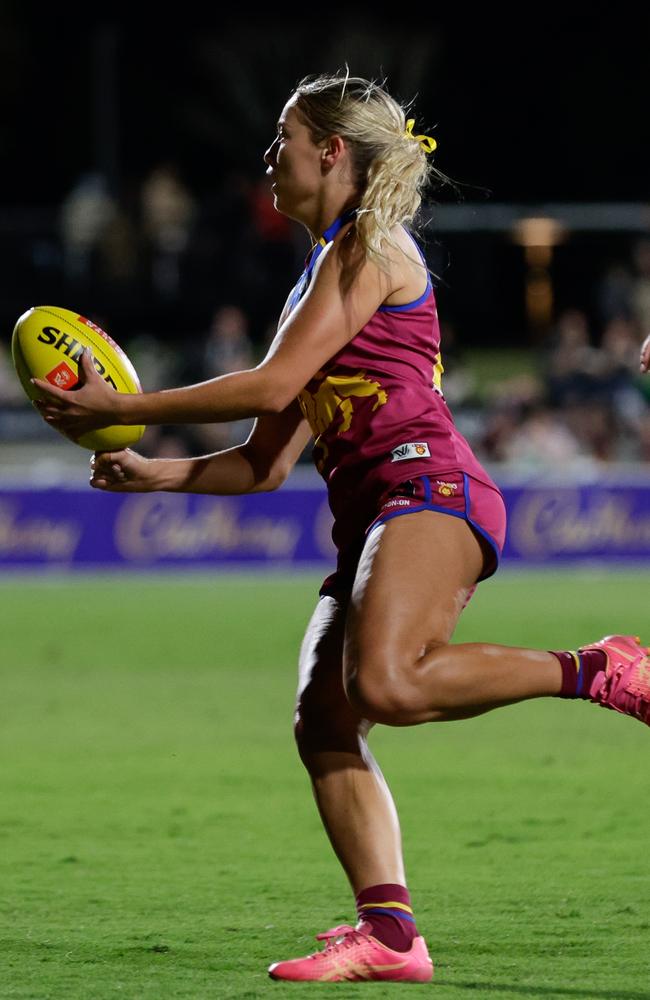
x=645, y=355
x=90, y=405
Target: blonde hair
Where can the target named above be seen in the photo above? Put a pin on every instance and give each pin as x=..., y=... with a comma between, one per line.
x=391, y=167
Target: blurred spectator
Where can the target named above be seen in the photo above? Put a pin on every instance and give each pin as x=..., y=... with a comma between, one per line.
x=620, y=343
x=642, y=453
x=499, y=425
x=543, y=441
x=85, y=215
x=622, y=385
x=573, y=364
x=155, y=362
x=119, y=254
x=228, y=346
x=508, y=402
x=594, y=425
x=168, y=211
x=615, y=294
x=641, y=291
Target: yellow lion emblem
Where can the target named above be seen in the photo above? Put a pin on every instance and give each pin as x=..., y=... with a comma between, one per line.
x=333, y=397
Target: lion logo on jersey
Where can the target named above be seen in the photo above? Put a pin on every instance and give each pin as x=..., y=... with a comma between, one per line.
x=334, y=396
x=333, y=399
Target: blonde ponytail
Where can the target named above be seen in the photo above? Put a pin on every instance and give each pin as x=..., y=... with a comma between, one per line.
x=391, y=165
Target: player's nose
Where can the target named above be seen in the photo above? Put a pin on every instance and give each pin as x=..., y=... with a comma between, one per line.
x=269, y=156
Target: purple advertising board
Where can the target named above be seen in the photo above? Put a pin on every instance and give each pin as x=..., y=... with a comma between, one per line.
x=576, y=523
x=86, y=528
x=77, y=528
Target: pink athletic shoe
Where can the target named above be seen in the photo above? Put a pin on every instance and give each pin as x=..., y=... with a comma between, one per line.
x=352, y=955
x=624, y=685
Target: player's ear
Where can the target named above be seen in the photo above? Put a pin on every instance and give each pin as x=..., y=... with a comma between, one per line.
x=332, y=151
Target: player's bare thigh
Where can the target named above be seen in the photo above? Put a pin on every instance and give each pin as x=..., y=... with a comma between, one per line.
x=413, y=580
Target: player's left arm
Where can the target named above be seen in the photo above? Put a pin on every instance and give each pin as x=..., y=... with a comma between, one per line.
x=333, y=310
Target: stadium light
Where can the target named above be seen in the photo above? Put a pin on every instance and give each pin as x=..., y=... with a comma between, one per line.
x=538, y=235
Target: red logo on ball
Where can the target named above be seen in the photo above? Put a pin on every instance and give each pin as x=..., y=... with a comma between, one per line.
x=62, y=376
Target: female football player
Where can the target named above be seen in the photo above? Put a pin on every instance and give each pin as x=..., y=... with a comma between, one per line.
x=417, y=520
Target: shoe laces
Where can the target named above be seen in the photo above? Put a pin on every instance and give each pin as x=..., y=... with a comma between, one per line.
x=343, y=936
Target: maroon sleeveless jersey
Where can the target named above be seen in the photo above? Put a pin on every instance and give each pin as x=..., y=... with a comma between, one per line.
x=376, y=409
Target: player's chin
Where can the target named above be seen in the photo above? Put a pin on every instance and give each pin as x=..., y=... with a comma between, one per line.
x=280, y=202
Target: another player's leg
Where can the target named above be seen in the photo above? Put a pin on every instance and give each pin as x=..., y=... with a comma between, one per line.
x=360, y=818
x=400, y=668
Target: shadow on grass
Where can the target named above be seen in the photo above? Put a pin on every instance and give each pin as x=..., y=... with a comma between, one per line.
x=550, y=991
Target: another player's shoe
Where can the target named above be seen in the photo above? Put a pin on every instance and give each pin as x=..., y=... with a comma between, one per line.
x=624, y=684
x=351, y=954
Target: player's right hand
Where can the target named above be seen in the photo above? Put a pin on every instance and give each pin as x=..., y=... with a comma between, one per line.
x=121, y=471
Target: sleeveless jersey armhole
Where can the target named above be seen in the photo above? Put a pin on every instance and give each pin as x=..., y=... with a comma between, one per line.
x=405, y=306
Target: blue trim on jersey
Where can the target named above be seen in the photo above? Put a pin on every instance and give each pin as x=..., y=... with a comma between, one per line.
x=328, y=236
x=408, y=305
x=416, y=302
x=301, y=285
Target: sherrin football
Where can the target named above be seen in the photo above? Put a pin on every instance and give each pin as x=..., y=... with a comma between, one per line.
x=47, y=343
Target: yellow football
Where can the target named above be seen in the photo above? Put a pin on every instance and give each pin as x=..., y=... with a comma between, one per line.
x=47, y=343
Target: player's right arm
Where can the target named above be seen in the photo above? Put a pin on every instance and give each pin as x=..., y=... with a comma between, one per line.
x=260, y=464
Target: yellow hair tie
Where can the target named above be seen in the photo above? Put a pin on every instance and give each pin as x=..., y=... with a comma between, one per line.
x=426, y=141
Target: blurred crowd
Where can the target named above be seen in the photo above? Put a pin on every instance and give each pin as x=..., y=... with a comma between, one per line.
x=582, y=402
x=210, y=277
x=167, y=251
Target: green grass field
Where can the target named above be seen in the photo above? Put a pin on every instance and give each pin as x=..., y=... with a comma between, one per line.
x=158, y=835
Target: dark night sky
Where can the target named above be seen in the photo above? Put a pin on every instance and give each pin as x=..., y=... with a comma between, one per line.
x=552, y=106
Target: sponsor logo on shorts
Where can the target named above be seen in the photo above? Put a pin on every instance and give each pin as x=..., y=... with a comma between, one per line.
x=397, y=502
x=446, y=489
x=414, y=449
x=62, y=376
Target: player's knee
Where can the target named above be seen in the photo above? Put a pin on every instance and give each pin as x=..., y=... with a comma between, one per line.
x=322, y=731
x=380, y=696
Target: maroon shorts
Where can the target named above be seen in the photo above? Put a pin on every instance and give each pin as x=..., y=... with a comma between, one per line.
x=454, y=493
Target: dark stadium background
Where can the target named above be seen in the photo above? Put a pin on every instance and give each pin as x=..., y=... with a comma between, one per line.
x=551, y=104
x=547, y=106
